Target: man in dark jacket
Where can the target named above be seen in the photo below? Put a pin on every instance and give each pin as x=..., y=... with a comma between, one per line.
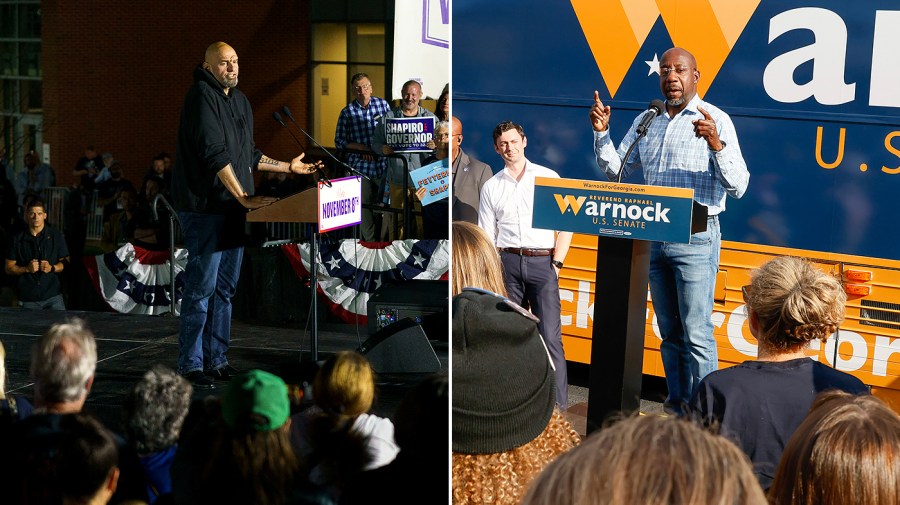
x=212, y=187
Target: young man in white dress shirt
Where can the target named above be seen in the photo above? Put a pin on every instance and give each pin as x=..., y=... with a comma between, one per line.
x=531, y=257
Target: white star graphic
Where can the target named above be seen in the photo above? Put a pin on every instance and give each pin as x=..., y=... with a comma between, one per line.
x=419, y=260
x=127, y=287
x=377, y=282
x=653, y=64
x=334, y=263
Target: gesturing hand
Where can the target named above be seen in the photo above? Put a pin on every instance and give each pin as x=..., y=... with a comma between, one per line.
x=706, y=128
x=599, y=114
x=298, y=167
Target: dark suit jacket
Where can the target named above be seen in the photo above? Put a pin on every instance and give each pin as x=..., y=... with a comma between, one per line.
x=468, y=179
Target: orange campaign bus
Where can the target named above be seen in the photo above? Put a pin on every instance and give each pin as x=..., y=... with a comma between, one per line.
x=811, y=87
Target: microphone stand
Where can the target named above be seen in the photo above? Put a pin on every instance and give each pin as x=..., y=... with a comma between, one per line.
x=172, y=217
x=287, y=112
x=641, y=133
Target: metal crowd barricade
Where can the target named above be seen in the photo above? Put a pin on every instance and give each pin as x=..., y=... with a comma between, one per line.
x=406, y=210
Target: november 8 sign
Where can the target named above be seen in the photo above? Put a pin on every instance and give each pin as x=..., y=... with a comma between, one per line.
x=604, y=208
x=339, y=205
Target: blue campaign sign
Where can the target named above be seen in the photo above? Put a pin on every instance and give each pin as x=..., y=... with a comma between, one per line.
x=435, y=177
x=631, y=211
x=409, y=134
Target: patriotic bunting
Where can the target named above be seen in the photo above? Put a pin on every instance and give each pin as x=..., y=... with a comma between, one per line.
x=349, y=271
x=134, y=280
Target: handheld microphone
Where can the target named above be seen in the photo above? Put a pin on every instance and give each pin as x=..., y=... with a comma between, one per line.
x=655, y=109
x=322, y=175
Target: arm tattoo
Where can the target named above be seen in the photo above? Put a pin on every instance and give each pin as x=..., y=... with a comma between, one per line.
x=265, y=160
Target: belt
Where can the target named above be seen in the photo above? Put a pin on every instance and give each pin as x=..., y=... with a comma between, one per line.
x=527, y=252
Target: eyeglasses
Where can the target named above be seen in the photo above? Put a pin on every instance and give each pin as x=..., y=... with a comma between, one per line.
x=363, y=87
x=664, y=71
x=746, y=292
x=441, y=135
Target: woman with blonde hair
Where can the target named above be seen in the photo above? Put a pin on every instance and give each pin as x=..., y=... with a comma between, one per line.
x=476, y=262
x=340, y=439
x=847, y=450
x=760, y=403
x=12, y=407
x=649, y=460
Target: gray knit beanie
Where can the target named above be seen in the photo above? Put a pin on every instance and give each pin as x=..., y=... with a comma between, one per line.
x=503, y=384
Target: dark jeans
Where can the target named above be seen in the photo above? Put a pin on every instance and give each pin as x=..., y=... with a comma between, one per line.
x=211, y=277
x=532, y=280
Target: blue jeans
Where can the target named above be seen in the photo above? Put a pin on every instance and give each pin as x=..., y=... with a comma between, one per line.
x=52, y=303
x=531, y=282
x=211, y=277
x=682, y=283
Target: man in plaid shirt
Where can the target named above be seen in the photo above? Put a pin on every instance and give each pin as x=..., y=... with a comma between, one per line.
x=691, y=145
x=355, y=128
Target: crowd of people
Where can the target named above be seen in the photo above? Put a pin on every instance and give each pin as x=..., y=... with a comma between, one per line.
x=253, y=444
x=782, y=427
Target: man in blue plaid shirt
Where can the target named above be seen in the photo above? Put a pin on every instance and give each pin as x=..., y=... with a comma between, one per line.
x=355, y=128
x=692, y=145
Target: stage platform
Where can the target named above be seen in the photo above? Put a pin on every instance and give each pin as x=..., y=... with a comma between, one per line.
x=128, y=345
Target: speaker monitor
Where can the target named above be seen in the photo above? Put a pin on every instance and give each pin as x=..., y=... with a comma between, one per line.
x=401, y=347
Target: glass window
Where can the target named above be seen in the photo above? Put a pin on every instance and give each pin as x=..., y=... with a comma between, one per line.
x=30, y=21
x=367, y=43
x=329, y=42
x=7, y=21
x=30, y=59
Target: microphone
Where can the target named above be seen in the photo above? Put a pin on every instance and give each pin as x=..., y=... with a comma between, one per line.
x=655, y=109
x=322, y=175
x=287, y=112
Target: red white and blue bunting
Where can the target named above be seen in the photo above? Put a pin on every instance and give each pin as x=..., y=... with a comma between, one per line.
x=134, y=280
x=349, y=271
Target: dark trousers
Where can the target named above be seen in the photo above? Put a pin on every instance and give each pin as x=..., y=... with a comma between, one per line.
x=531, y=282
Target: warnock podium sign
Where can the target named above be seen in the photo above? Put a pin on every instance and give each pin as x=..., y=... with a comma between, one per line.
x=625, y=218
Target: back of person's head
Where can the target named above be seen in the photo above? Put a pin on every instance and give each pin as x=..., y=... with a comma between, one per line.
x=794, y=302
x=63, y=362
x=649, y=460
x=252, y=460
x=505, y=426
x=476, y=262
x=155, y=409
x=421, y=420
x=847, y=450
x=345, y=385
x=87, y=462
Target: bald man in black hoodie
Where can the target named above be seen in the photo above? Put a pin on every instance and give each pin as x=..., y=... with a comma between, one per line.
x=212, y=187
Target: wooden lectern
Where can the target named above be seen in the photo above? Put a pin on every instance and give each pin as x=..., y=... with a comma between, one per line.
x=300, y=207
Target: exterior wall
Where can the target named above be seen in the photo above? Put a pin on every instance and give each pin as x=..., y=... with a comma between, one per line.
x=115, y=73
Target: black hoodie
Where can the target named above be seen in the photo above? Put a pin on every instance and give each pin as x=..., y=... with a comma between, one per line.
x=215, y=129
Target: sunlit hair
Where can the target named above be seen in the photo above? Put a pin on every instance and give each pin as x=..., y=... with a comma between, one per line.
x=504, y=127
x=476, y=262
x=156, y=408
x=649, y=460
x=345, y=385
x=442, y=125
x=62, y=361
x=795, y=302
x=502, y=478
x=847, y=450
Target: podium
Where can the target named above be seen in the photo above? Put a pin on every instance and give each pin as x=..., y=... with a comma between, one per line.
x=625, y=218
x=329, y=208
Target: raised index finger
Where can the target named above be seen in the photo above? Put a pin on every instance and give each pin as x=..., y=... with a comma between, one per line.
x=705, y=114
x=596, y=96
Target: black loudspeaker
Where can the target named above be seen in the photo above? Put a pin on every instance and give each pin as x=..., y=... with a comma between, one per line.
x=401, y=347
